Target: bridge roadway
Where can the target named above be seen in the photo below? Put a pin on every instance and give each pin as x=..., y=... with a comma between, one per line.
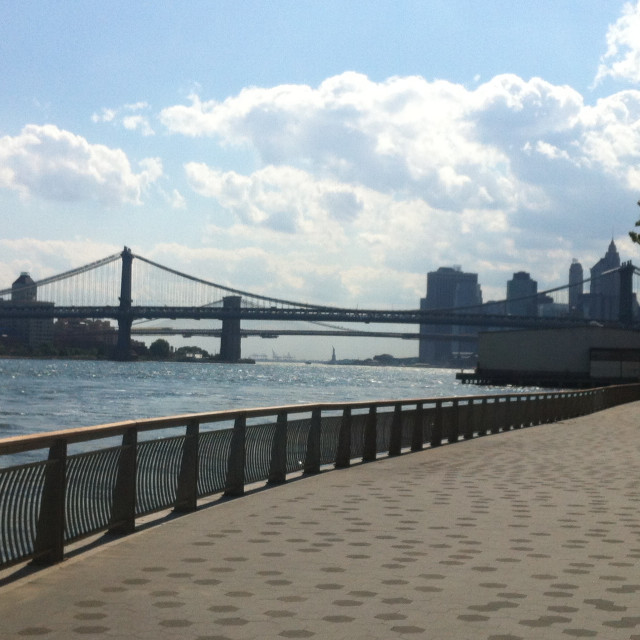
x=305, y=314
x=277, y=333
x=523, y=535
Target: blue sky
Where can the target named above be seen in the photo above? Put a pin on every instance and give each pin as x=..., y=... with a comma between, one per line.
x=333, y=152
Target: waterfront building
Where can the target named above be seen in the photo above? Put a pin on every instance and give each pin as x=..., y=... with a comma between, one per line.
x=568, y=357
x=522, y=292
x=447, y=288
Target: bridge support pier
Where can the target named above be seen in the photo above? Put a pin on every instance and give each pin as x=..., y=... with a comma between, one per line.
x=123, y=345
x=125, y=319
x=230, y=350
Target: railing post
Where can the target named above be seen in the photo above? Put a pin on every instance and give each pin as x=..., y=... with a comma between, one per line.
x=549, y=410
x=453, y=423
x=495, y=424
x=417, y=434
x=436, y=433
x=48, y=546
x=187, y=490
x=370, y=446
x=312, y=457
x=234, y=485
x=507, y=418
x=527, y=411
x=518, y=412
x=123, y=508
x=278, y=468
x=395, y=437
x=343, y=453
x=472, y=414
x=537, y=410
x=482, y=422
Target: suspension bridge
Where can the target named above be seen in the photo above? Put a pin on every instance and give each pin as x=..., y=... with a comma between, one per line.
x=112, y=289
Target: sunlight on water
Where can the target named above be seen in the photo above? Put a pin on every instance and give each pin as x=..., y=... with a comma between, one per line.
x=44, y=395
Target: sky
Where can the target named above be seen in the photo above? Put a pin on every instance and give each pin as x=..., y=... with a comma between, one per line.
x=319, y=150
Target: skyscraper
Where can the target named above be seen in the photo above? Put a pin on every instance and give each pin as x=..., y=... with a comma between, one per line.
x=576, y=288
x=522, y=294
x=604, y=289
x=447, y=288
x=30, y=332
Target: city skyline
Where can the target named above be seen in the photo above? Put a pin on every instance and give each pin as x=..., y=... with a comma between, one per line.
x=447, y=288
x=323, y=151
x=596, y=296
x=609, y=260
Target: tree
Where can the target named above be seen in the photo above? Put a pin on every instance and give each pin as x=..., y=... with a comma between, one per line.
x=160, y=349
x=633, y=234
x=190, y=353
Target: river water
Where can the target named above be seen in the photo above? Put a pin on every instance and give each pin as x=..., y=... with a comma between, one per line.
x=46, y=395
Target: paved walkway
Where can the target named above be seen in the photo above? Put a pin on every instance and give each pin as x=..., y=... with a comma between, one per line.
x=529, y=534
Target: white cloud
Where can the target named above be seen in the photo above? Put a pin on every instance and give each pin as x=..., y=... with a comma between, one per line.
x=44, y=258
x=128, y=116
x=359, y=187
x=281, y=198
x=393, y=135
x=622, y=58
x=413, y=174
x=137, y=106
x=438, y=141
x=400, y=177
x=176, y=200
x=57, y=165
x=105, y=115
x=138, y=123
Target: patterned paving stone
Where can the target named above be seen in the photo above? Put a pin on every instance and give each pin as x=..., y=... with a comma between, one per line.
x=515, y=536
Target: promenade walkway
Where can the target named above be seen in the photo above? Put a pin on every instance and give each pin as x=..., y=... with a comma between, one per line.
x=529, y=534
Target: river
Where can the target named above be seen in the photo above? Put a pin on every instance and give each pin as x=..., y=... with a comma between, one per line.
x=45, y=395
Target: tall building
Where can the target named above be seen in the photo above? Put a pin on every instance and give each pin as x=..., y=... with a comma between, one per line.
x=24, y=289
x=576, y=288
x=29, y=332
x=522, y=295
x=447, y=288
x=604, y=289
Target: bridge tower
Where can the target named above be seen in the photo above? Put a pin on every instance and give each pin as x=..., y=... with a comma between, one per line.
x=125, y=317
x=230, y=350
x=626, y=294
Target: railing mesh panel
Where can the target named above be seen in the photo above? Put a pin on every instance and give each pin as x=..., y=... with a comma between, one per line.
x=20, y=495
x=358, y=423
x=428, y=421
x=157, y=477
x=91, y=479
x=258, y=447
x=297, y=436
x=447, y=421
x=329, y=433
x=213, y=461
x=383, y=430
x=406, y=427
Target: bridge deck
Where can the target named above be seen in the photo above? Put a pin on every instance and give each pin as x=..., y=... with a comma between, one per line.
x=527, y=534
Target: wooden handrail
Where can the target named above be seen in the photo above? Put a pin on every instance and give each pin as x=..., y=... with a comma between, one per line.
x=32, y=442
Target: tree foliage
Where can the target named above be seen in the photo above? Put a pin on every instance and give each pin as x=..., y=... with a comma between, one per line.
x=635, y=236
x=160, y=348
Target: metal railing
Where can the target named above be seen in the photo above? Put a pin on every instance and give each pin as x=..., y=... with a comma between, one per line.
x=48, y=504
